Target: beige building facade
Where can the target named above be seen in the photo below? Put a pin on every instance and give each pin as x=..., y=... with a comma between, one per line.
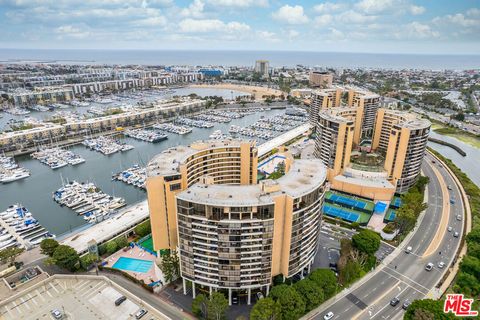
x=320, y=79
x=232, y=232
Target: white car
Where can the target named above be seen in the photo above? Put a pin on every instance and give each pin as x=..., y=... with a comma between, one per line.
x=408, y=249
x=450, y=229
x=56, y=314
x=429, y=266
x=441, y=264
x=328, y=316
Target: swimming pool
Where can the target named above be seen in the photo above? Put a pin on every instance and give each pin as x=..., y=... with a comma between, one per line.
x=131, y=264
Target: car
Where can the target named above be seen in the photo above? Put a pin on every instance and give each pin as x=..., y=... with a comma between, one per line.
x=441, y=264
x=120, y=300
x=449, y=187
x=328, y=316
x=429, y=266
x=452, y=201
x=408, y=249
x=459, y=217
x=456, y=234
x=406, y=304
x=394, y=302
x=56, y=314
x=259, y=295
x=450, y=229
x=140, y=313
x=433, y=161
x=234, y=298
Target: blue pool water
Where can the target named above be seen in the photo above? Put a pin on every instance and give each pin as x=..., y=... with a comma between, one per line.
x=131, y=264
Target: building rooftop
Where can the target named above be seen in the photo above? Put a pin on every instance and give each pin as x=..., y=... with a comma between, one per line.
x=302, y=178
x=168, y=161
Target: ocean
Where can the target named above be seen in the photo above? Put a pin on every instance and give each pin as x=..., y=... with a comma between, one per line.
x=244, y=58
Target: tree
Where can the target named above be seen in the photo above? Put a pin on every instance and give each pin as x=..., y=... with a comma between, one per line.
x=405, y=219
x=200, y=306
x=350, y=272
x=325, y=279
x=10, y=254
x=366, y=241
x=291, y=302
x=471, y=265
x=266, y=309
x=312, y=294
x=170, y=266
x=87, y=260
x=427, y=309
x=217, y=305
x=65, y=257
x=111, y=247
x=48, y=246
x=121, y=242
x=467, y=284
x=143, y=229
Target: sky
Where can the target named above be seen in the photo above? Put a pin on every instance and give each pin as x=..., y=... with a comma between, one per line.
x=374, y=26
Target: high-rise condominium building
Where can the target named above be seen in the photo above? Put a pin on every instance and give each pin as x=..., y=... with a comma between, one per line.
x=262, y=67
x=320, y=79
x=407, y=140
x=367, y=104
x=323, y=99
x=231, y=232
x=399, y=136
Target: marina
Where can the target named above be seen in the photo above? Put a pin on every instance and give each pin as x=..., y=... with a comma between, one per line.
x=106, y=145
x=87, y=200
x=57, y=158
x=98, y=169
x=134, y=176
x=10, y=171
x=152, y=136
x=18, y=228
x=172, y=128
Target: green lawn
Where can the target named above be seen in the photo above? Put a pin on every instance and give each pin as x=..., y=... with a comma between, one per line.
x=147, y=244
x=461, y=135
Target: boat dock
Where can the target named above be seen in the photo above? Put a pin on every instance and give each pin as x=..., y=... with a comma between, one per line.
x=88, y=200
x=18, y=228
x=135, y=176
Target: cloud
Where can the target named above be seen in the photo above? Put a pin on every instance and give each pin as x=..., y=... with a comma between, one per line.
x=71, y=32
x=416, y=10
x=459, y=19
x=417, y=30
x=211, y=25
x=291, y=15
x=323, y=20
x=158, y=21
x=239, y=3
x=354, y=17
x=268, y=36
x=328, y=7
x=375, y=6
x=195, y=9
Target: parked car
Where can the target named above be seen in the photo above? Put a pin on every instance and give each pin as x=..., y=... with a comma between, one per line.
x=394, y=302
x=429, y=266
x=328, y=316
x=56, y=314
x=140, y=313
x=259, y=295
x=406, y=304
x=234, y=298
x=120, y=300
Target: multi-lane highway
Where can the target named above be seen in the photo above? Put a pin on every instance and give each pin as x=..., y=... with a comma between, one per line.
x=403, y=275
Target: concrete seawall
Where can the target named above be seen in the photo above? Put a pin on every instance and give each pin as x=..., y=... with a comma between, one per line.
x=448, y=144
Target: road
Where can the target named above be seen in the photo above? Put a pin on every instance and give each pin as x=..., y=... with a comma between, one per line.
x=405, y=276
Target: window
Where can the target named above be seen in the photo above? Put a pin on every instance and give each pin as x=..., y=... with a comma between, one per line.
x=175, y=186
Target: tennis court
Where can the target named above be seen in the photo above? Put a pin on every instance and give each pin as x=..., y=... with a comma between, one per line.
x=147, y=243
x=390, y=216
x=350, y=202
x=396, y=202
x=268, y=166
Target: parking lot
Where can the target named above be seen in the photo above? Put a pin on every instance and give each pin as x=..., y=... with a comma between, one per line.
x=75, y=298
